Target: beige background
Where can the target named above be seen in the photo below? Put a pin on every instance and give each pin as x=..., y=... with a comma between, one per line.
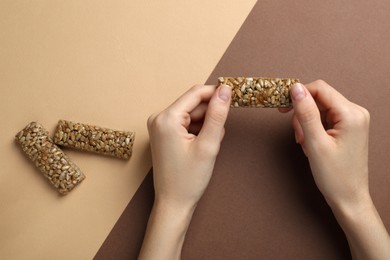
x=110, y=63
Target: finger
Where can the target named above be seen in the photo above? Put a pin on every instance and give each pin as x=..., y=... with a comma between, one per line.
x=194, y=120
x=222, y=134
x=326, y=96
x=299, y=137
x=284, y=109
x=335, y=107
x=150, y=121
x=197, y=118
x=195, y=128
x=307, y=113
x=216, y=115
x=199, y=112
x=192, y=98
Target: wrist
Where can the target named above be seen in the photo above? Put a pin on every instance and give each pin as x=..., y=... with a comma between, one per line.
x=364, y=229
x=354, y=209
x=166, y=231
x=174, y=218
x=348, y=199
x=168, y=209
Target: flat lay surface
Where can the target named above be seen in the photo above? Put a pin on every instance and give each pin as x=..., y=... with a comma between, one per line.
x=114, y=63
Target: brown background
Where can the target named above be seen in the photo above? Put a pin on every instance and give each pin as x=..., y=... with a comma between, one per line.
x=109, y=63
x=262, y=202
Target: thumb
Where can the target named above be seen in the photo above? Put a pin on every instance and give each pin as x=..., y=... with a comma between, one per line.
x=307, y=113
x=216, y=114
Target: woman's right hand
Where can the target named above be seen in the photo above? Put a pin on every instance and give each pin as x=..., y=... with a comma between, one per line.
x=333, y=133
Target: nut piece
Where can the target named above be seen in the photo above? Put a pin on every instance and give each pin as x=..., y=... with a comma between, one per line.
x=49, y=158
x=259, y=92
x=94, y=139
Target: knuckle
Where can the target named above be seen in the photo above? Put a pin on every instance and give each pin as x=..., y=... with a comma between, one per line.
x=366, y=114
x=158, y=122
x=358, y=117
x=208, y=149
x=196, y=87
x=321, y=82
x=150, y=121
x=363, y=117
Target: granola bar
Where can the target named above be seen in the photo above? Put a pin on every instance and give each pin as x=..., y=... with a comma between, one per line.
x=54, y=164
x=94, y=139
x=259, y=92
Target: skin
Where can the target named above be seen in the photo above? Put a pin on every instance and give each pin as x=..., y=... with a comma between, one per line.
x=333, y=132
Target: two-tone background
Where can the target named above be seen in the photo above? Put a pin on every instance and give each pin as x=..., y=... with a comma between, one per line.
x=114, y=63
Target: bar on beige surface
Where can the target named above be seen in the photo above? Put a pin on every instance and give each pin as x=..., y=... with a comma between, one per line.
x=54, y=164
x=259, y=92
x=95, y=139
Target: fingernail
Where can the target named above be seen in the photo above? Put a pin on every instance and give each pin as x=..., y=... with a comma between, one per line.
x=224, y=93
x=297, y=92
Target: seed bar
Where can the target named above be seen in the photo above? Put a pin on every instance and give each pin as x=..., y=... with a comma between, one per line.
x=259, y=92
x=48, y=158
x=95, y=139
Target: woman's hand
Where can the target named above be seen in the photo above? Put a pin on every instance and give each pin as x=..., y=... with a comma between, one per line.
x=333, y=133
x=185, y=140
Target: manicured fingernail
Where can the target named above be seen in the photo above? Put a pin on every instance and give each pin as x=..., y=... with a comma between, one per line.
x=297, y=92
x=224, y=93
